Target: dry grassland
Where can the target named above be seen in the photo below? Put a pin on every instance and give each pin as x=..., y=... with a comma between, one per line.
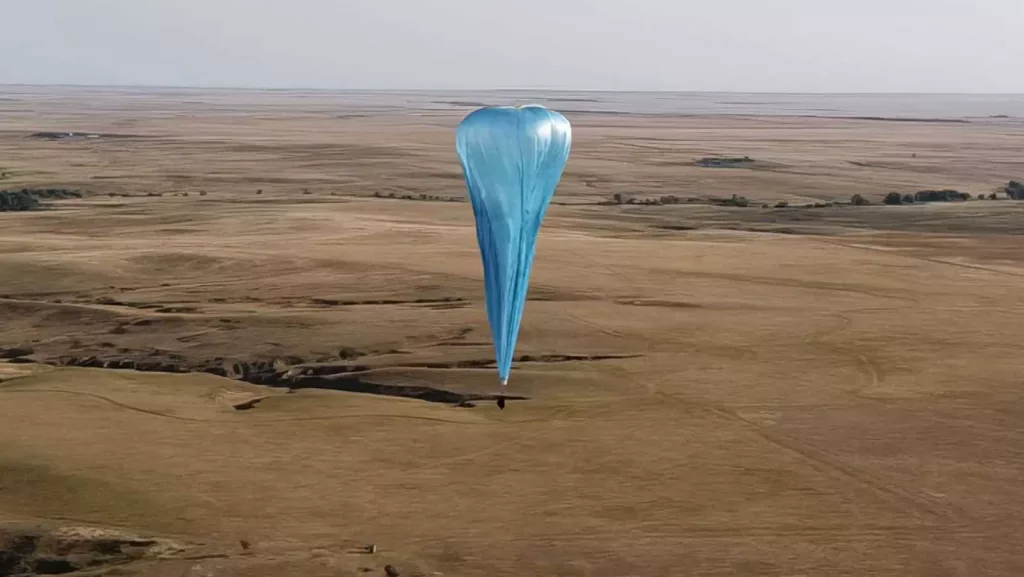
x=707, y=395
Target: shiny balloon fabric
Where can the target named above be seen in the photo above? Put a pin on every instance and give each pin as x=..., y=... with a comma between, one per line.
x=513, y=159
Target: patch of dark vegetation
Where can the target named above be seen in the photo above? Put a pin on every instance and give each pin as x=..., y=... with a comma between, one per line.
x=78, y=135
x=489, y=363
x=720, y=162
x=338, y=377
x=831, y=219
x=356, y=384
x=348, y=303
x=659, y=303
x=247, y=405
x=1014, y=190
x=322, y=369
x=421, y=196
x=348, y=353
x=941, y=196
x=738, y=201
x=52, y=193
x=9, y=353
x=293, y=373
x=549, y=294
x=334, y=369
x=785, y=204
x=28, y=551
x=154, y=366
x=54, y=566
x=447, y=306
x=669, y=199
x=895, y=198
x=29, y=198
x=465, y=344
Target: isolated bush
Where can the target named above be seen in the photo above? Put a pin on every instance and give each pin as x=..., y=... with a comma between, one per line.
x=908, y=199
x=1014, y=190
x=993, y=196
x=617, y=197
x=893, y=198
x=858, y=200
x=981, y=196
x=260, y=191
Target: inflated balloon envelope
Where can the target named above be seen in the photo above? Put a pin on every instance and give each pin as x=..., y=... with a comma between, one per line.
x=512, y=158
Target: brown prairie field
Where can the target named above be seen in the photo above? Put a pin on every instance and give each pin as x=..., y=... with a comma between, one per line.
x=711, y=390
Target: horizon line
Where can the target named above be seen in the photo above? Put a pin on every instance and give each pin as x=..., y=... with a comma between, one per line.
x=517, y=89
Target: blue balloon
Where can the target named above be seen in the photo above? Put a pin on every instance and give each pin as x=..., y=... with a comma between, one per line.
x=512, y=158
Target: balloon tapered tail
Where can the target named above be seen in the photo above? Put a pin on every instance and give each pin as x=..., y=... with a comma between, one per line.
x=501, y=394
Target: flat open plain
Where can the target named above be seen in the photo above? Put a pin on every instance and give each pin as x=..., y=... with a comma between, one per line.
x=712, y=391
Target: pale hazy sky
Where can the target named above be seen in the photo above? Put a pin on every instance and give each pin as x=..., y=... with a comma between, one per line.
x=705, y=45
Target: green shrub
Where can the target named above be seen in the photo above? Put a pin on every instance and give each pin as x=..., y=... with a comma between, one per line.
x=893, y=198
